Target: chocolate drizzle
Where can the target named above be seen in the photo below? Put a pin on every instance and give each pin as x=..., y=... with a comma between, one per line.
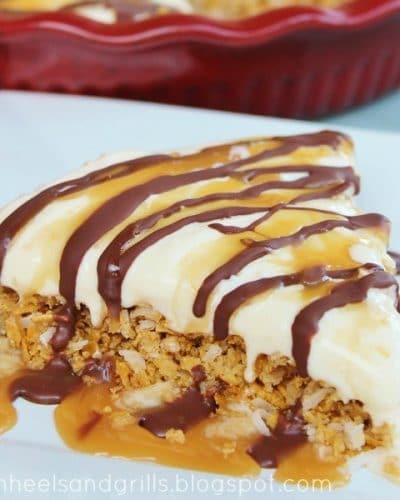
x=48, y=386
x=65, y=321
x=199, y=375
x=183, y=413
x=259, y=249
x=111, y=274
x=114, y=263
x=288, y=435
x=100, y=370
x=305, y=325
x=233, y=300
x=10, y=226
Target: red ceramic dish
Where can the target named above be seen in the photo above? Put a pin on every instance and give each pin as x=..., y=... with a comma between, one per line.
x=297, y=62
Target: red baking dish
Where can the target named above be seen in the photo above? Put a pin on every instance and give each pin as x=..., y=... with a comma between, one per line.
x=295, y=62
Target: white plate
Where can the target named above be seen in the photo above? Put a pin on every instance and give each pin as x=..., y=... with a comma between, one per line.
x=43, y=136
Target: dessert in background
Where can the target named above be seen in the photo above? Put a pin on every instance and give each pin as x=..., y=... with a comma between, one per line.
x=104, y=11
x=227, y=9
x=111, y=11
x=225, y=309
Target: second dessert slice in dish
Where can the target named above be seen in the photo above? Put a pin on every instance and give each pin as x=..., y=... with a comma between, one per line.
x=223, y=310
x=125, y=11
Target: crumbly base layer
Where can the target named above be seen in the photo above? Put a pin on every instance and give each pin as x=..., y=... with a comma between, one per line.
x=154, y=365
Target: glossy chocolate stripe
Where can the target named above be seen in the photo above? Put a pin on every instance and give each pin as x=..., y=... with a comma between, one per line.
x=235, y=299
x=65, y=321
x=183, y=413
x=261, y=248
x=24, y=213
x=289, y=434
x=305, y=325
x=48, y=386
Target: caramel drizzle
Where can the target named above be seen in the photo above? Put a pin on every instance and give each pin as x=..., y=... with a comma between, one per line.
x=258, y=249
x=114, y=263
x=269, y=213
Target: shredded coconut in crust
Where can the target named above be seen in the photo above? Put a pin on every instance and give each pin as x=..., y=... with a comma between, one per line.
x=154, y=365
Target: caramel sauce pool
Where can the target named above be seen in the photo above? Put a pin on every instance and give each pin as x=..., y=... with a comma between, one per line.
x=304, y=467
x=8, y=414
x=85, y=425
x=87, y=422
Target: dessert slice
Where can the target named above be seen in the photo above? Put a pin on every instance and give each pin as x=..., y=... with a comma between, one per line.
x=224, y=309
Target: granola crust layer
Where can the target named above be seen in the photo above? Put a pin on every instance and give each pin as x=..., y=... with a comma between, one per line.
x=154, y=365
